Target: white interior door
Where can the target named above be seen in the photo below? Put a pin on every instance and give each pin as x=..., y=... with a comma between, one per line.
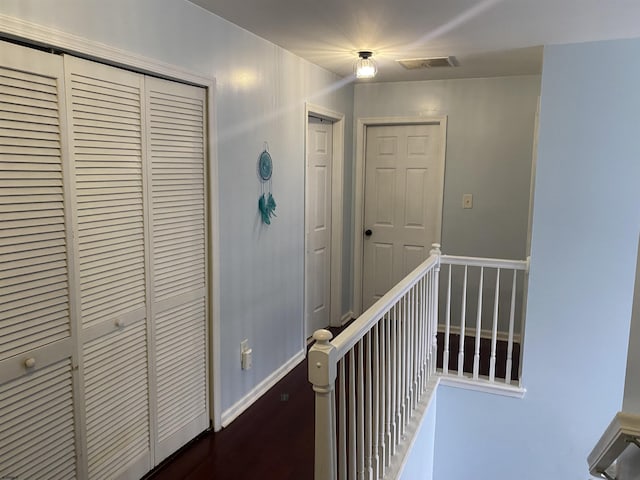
x=404, y=175
x=318, y=225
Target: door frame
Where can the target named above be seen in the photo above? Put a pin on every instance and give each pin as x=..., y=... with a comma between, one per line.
x=360, y=164
x=337, y=187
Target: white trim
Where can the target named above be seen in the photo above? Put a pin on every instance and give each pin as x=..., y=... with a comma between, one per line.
x=615, y=439
x=215, y=373
x=484, y=262
x=482, y=385
x=361, y=127
x=337, y=199
x=484, y=333
x=347, y=317
x=399, y=460
x=50, y=37
x=250, y=398
x=41, y=35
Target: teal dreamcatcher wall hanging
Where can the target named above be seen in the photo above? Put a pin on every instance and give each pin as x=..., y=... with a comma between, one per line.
x=266, y=202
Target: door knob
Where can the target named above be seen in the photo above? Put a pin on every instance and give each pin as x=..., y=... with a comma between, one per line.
x=368, y=232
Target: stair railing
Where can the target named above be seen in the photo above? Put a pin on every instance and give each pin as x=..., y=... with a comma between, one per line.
x=370, y=380
x=379, y=368
x=481, y=319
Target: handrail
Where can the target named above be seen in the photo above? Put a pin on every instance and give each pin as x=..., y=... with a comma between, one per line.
x=484, y=262
x=623, y=430
x=351, y=335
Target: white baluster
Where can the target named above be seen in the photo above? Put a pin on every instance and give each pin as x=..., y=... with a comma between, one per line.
x=390, y=412
x=507, y=375
x=322, y=374
x=342, y=421
x=401, y=369
x=360, y=411
x=447, y=327
x=463, y=324
x=427, y=357
x=405, y=369
x=420, y=326
x=368, y=409
x=494, y=330
x=411, y=301
x=434, y=292
x=422, y=329
x=476, y=353
x=375, y=400
x=384, y=399
x=395, y=380
x=352, y=456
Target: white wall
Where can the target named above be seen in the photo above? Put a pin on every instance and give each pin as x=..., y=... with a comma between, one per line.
x=585, y=233
x=631, y=400
x=489, y=142
x=261, y=90
x=419, y=464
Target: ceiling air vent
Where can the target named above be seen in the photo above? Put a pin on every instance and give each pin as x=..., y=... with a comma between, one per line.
x=433, y=62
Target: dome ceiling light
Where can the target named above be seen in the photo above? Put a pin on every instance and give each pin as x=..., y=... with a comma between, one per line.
x=365, y=66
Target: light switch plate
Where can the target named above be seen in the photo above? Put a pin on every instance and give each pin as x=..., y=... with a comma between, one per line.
x=467, y=200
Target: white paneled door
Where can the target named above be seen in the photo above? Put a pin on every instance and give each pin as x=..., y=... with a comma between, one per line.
x=103, y=305
x=404, y=173
x=318, y=225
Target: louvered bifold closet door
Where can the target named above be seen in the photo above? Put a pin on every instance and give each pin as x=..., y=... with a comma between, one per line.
x=106, y=118
x=37, y=435
x=176, y=149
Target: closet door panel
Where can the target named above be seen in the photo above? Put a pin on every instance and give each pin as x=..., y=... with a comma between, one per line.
x=34, y=283
x=116, y=399
x=176, y=152
x=105, y=123
x=107, y=152
x=37, y=434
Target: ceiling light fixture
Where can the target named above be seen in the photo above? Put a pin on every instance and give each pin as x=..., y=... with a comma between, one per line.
x=365, y=66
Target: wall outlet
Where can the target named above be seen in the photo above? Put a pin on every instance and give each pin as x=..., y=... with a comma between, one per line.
x=246, y=358
x=467, y=200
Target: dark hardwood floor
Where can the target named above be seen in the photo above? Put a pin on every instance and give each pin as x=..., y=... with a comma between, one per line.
x=485, y=355
x=274, y=438
x=271, y=440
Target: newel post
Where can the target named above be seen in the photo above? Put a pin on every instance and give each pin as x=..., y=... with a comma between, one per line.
x=322, y=375
x=435, y=250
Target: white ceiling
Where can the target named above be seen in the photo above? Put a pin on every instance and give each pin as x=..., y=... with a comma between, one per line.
x=488, y=37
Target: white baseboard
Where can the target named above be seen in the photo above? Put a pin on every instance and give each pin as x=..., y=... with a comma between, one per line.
x=245, y=402
x=483, y=385
x=346, y=317
x=484, y=333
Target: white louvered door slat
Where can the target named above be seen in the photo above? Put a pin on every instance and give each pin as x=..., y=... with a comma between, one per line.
x=37, y=435
x=105, y=128
x=176, y=151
